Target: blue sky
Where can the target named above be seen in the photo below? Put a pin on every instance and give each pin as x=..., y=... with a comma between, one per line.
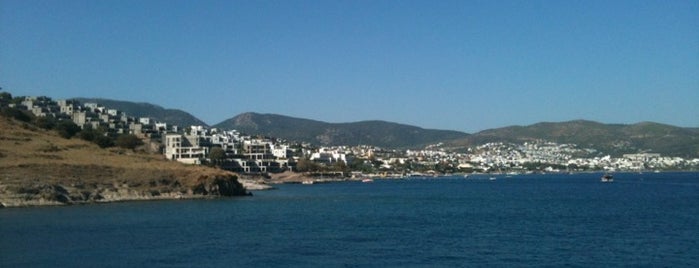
x=458, y=65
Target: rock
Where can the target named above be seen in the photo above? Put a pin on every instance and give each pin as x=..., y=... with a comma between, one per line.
x=222, y=186
x=38, y=193
x=55, y=193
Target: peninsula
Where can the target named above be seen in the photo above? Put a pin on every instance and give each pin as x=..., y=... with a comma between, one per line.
x=39, y=167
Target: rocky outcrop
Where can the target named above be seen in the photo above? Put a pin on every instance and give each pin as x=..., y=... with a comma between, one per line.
x=39, y=194
x=218, y=186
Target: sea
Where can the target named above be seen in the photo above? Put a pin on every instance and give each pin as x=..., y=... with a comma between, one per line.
x=549, y=220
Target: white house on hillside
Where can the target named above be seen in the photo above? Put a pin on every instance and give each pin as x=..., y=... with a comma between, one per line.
x=185, y=149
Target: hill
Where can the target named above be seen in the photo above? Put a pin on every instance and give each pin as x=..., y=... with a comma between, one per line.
x=37, y=167
x=378, y=133
x=615, y=139
x=140, y=109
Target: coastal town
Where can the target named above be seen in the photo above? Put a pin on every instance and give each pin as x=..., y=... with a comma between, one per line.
x=248, y=154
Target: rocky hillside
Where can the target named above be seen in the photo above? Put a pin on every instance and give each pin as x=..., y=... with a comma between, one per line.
x=38, y=167
x=378, y=133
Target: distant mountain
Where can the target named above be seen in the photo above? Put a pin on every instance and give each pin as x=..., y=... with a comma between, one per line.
x=141, y=109
x=612, y=139
x=378, y=133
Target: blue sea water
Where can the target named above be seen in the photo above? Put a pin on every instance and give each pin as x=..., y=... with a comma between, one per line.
x=527, y=220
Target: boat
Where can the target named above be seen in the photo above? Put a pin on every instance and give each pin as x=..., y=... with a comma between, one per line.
x=308, y=182
x=367, y=180
x=607, y=178
x=492, y=178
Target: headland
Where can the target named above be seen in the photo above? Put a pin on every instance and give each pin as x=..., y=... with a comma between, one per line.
x=38, y=167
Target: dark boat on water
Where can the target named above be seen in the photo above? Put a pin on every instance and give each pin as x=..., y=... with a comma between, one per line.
x=607, y=178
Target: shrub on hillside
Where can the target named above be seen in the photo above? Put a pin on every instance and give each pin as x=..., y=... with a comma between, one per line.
x=67, y=129
x=128, y=141
x=45, y=122
x=88, y=133
x=103, y=141
x=17, y=114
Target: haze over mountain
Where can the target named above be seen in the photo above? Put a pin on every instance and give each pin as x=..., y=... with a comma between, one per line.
x=142, y=109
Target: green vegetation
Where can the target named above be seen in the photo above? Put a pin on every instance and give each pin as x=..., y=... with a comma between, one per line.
x=44, y=122
x=128, y=141
x=216, y=154
x=5, y=98
x=306, y=165
x=97, y=136
x=67, y=129
x=17, y=114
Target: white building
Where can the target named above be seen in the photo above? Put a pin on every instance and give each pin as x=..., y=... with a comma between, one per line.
x=185, y=149
x=328, y=156
x=145, y=120
x=280, y=151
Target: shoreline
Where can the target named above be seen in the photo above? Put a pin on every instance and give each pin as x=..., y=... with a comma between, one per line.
x=58, y=195
x=48, y=203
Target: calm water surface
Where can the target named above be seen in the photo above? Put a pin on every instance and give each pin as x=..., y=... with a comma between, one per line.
x=534, y=220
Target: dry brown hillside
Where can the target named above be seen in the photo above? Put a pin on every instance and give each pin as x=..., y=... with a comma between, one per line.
x=38, y=167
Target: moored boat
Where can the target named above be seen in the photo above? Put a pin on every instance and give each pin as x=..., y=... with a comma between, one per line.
x=607, y=178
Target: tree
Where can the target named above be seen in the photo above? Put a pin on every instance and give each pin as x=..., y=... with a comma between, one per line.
x=67, y=129
x=216, y=154
x=128, y=141
x=340, y=166
x=103, y=141
x=5, y=98
x=88, y=133
x=17, y=114
x=306, y=165
x=45, y=122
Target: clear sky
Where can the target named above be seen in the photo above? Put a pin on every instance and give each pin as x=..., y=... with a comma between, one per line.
x=459, y=65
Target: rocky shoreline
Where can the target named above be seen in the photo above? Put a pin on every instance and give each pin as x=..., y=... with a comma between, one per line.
x=36, y=192
x=57, y=195
x=21, y=193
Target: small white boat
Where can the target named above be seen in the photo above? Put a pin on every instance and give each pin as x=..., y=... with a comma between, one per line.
x=607, y=178
x=307, y=182
x=365, y=180
x=493, y=178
